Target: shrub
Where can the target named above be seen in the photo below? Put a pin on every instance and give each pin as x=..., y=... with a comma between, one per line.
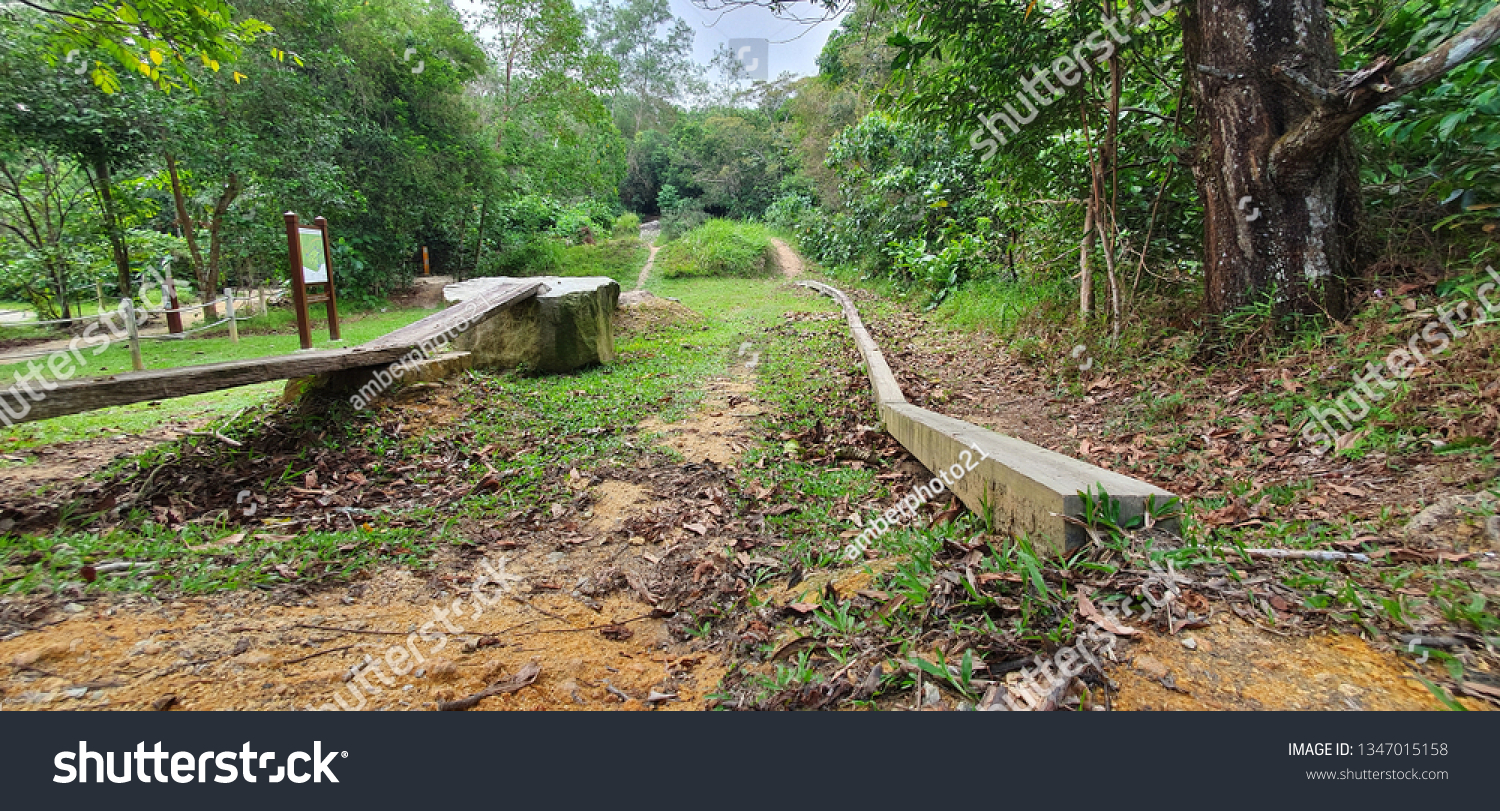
x=787, y=210
x=619, y=259
x=529, y=255
x=679, y=215
x=626, y=226
x=719, y=248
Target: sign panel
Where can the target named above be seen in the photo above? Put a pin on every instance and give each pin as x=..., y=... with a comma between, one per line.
x=314, y=262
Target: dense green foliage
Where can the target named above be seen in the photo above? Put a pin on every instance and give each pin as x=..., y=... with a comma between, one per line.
x=897, y=178
x=510, y=143
x=394, y=121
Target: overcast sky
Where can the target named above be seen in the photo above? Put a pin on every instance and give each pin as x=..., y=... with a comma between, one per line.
x=794, y=46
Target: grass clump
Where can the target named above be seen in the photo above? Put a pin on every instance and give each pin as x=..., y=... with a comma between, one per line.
x=620, y=259
x=626, y=225
x=720, y=248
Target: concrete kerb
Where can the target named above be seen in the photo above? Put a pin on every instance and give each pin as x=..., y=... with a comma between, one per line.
x=1028, y=489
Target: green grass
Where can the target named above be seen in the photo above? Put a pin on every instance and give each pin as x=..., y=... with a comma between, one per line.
x=539, y=427
x=135, y=419
x=620, y=259
x=209, y=347
x=214, y=346
x=1000, y=305
x=720, y=248
x=189, y=561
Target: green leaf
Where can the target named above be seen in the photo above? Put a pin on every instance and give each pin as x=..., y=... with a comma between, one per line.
x=1442, y=695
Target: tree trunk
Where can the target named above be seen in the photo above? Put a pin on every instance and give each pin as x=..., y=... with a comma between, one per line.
x=210, y=281
x=484, y=207
x=185, y=225
x=1086, y=273
x=59, y=271
x=102, y=182
x=1276, y=167
x=1296, y=240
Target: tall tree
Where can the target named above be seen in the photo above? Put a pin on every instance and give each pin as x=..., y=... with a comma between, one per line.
x=42, y=197
x=654, y=49
x=1276, y=167
x=105, y=133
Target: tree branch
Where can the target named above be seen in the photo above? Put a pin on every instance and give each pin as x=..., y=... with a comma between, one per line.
x=1297, y=155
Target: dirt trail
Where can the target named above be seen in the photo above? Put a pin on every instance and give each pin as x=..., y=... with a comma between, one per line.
x=580, y=590
x=47, y=465
x=247, y=650
x=577, y=600
x=640, y=281
x=1235, y=666
x=787, y=259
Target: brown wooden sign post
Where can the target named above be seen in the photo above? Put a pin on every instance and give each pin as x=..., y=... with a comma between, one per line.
x=310, y=257
x=173, y=307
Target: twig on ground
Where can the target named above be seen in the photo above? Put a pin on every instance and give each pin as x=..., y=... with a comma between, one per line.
x=352, y=630
x=316, y=655
x=233, y=443
x=523, y=677
x=589, y=628
x=1307, y=554
x=617, y=692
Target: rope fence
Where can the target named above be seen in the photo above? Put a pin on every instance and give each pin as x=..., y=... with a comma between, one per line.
x=132, y=325
x=250, y=299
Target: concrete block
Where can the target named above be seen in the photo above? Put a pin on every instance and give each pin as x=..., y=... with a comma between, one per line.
x=1025, y=488
x=568, y=325
x=1028, y=489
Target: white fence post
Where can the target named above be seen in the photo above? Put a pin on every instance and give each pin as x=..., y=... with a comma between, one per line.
x=135, y=335
x=234, y=326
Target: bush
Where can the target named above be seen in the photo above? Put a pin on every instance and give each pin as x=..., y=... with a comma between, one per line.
x=527, y=255
x=572, y=226
x=679, y=215
x=675, y=225
x=619, y=259
x=541, y=255
x=787, y=210
x=626, y=226
x=720, y=248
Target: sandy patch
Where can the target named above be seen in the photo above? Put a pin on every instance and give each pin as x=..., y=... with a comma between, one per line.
x=716, y=432
x=247, y=651
x=1239, y=667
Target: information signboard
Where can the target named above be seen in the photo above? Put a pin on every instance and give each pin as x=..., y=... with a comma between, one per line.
x=307, y=252
x=314, y=263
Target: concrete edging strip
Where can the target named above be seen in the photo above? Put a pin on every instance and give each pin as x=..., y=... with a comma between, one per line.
x=1028, y=489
